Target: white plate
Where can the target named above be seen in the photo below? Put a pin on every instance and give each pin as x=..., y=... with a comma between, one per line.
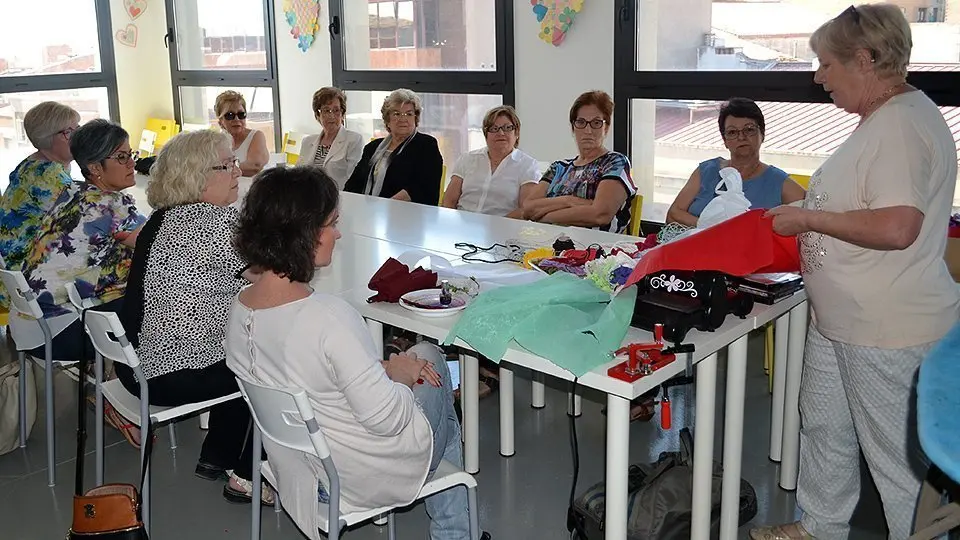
x=432, y=297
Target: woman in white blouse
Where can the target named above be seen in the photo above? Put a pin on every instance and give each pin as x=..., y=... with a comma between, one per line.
x=388, y=423
x=336, y=148
x=497, y=179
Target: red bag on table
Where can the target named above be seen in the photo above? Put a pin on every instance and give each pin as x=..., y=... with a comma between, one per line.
x=745, y=244
x=394, y=279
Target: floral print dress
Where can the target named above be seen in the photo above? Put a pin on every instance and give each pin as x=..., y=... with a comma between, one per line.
x=80, y=242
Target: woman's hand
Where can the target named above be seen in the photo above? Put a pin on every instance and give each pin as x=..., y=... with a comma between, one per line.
x=407, y=369
x=789, y=220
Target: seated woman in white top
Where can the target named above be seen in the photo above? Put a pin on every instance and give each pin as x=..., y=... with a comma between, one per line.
x=497, y=179
x=336, y=148
x=249, y=145
x=388, y=423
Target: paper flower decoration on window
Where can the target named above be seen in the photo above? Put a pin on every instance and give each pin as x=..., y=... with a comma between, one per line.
x=555, y=18
x=302, y=16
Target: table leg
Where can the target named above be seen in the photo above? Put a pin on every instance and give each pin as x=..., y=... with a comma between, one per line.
x=733, y=438
x=574, y=401
x=537, y=398
x=706, y=397
x=469, y=402
x=618, y=453
x=506, y=412
x=781, y=333
x=790, y=446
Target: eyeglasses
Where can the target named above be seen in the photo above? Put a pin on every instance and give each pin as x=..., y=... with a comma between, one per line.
x=330, y=112
x=229, y=116
x=508, y=128
x=403, y=114
x=124, y=157
x=734, y=133
x=227, y=166
x=67, y=133
x=596, y=123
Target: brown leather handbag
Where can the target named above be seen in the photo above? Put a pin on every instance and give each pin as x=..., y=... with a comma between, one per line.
x=110, y=511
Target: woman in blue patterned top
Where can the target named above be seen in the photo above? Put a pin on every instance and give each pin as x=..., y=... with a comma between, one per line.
x=593, y=189
x=765, y=186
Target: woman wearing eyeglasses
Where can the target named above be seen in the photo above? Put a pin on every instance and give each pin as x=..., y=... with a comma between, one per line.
x=336, y=148
x=249, y=145
x=406, y=165
x=495, y=180
x=765, y=186
x=593, y=189
x=184, y=276
x=87, y=239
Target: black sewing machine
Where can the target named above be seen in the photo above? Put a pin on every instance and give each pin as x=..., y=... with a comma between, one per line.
x=682, y=300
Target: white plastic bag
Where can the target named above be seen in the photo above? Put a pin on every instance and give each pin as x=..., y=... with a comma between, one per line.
x=729, y=202
x=488, y=275
x=10, y=404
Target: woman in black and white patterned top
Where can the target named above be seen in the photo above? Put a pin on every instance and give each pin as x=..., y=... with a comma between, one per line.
x=183, y=279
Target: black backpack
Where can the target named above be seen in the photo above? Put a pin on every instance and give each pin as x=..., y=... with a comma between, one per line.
x=660, y=496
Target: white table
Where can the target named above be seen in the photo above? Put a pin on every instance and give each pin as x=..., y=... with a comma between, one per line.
x=437, y=230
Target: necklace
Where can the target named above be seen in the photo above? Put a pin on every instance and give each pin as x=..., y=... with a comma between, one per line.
x=879, y=100
x=746, y=173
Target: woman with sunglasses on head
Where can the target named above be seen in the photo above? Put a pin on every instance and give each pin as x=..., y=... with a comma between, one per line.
x=406, y=165
x=336, y=149
x=593, y=189
x=249, y=145
x=185, y=273
x=742, y=128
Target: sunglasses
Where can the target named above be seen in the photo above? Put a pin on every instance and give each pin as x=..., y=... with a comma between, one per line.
x=229, y=116
x=852, y=11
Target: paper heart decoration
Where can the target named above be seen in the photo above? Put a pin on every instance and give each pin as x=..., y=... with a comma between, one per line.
x=302, y=16
x=134, y=8
x=555, y=18
x=128, y=35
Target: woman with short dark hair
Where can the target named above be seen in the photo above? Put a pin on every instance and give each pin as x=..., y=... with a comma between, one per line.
x=387, y=432
x=742, y=128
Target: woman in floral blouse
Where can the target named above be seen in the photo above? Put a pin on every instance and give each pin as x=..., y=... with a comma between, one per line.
x=37, y=182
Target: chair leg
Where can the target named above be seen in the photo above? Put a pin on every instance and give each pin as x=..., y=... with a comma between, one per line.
x=172, y=428
x=473, y=508
x=51, y=435
x=98, y=417
x=23, y=398
x=391, y=527
x=257, y=484
x=205, y=420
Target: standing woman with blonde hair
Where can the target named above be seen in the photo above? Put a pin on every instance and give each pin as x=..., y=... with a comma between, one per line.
x=249, y=145
x=336, y=149
x=871, y=233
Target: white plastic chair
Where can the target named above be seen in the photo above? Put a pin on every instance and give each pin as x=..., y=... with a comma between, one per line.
x=23, y=303
x=286, y=417
x=110, y=341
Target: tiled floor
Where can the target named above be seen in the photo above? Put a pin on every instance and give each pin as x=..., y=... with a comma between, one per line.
x=524, y=497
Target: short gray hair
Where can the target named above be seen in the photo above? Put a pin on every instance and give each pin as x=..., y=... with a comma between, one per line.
x=881, y=29
x=47, y=119
x=180, y=173
x=94, y=141
x=398, y=98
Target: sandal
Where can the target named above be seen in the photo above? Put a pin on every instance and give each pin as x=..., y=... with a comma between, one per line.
x=130, y=431
x=788, y=531
x=240, y=491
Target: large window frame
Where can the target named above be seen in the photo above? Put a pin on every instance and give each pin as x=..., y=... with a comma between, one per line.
x=232, y=78
x=105, y=78
x=630, y=84
x=500, y=81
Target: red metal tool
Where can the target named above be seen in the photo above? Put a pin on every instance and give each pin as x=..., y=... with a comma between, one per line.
x=642, y=358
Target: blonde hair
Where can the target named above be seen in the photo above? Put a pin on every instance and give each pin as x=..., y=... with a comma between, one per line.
x=226, y=98
x=497, y=112
x=881, y=29
x=180, y=173
x=398, y=98
x=45, y=120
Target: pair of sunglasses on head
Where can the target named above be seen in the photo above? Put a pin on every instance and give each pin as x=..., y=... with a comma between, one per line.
x=230, y=116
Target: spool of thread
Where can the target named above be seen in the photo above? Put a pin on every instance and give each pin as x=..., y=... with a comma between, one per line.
x=562, y=244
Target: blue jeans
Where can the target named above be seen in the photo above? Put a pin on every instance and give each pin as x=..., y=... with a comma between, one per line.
x=448, y=510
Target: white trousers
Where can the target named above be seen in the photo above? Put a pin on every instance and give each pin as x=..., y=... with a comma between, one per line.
x=853, y=398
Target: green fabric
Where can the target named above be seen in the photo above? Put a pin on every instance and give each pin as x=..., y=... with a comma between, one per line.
x=562, y=318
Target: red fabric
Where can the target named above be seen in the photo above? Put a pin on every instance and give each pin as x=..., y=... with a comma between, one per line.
x=394, y=279
x=739, y=246
x=953, y=232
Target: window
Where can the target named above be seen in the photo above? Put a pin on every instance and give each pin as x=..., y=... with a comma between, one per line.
x=73, y=67
x=667, y=95
x=222, y=45
x=922, y=14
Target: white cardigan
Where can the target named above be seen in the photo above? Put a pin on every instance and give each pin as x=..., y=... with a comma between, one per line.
x=344, y=154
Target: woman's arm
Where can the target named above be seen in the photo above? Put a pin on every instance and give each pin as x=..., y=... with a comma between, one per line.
x=257, y=155
x=354, y=151
x=357, y=182
x=402, y=195
x=678, y=210
x=451, y=197
x=308, y=150
x=611, y=194
x=887, y=229
x=422, y=184
x=792, y=192
x=526, y=191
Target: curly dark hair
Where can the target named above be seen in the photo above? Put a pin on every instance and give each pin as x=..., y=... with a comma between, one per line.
x=281, y=220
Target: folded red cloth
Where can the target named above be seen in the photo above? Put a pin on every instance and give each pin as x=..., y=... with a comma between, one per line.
x=739, y=246
x=394, y=279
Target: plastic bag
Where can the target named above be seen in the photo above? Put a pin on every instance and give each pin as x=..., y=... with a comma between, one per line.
x=488, y=276
x=729, y=202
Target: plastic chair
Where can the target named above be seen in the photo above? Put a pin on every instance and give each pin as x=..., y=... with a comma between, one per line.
x=938, y=425
x=286, y=417
x=636, y=209
x=110, y=341
x=443, y=184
